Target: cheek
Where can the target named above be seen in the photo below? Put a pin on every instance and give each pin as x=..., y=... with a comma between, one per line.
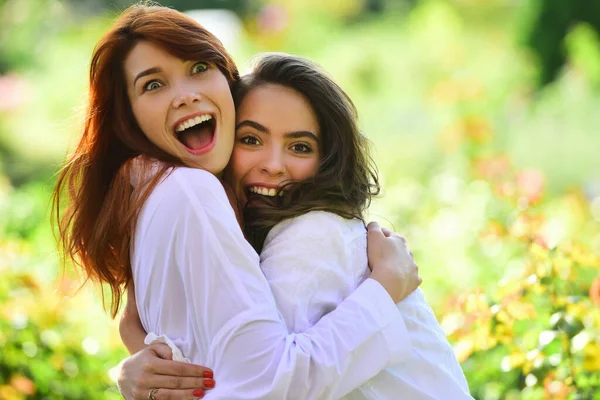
x=240, y=165
x=221, y=92
x=305, y=169
x=221, y=96
x=148, y=117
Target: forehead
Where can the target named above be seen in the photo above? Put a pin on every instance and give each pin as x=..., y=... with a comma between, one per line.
x=146, y=55
x=278, y=105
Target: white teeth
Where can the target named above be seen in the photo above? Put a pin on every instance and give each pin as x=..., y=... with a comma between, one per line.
x=192, y=122
x=264, y=191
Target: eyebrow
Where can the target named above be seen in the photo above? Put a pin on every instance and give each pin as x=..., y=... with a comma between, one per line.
x=149, y=71
x=264, y=129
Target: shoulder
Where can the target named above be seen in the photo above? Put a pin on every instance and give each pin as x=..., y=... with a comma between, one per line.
x=313, y=223
x=183, y=186
x=317, y=248
x=176, y=180
x=317, y=226
x=185, y=193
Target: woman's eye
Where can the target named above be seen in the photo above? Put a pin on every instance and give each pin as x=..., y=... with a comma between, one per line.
x=250, y=140
x=199, y=67
x=152, y=85
x=301, y=148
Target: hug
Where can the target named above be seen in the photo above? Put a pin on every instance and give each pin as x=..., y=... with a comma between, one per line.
x=230, y=208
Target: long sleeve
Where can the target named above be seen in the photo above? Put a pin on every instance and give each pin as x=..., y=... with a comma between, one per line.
x=310, y=264
x=306, y=288
x=198, y=282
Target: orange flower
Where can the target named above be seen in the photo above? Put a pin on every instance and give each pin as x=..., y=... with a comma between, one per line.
x=492, y=167
x=23, y=384
x=595, y=290
x=531, y=184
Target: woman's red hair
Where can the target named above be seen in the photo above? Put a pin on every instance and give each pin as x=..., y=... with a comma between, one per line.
x=93, y=203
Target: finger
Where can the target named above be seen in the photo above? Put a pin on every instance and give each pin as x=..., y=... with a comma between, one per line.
x=176, y=394
x=179, y=369
x=162, y=350
x=401, y=238
x=373, y=227
x=387, y=232
x=179, y=382
x=390, y=233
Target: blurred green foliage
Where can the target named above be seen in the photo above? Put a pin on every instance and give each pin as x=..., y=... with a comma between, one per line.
x=493, y=181
x=540, y=325
x=51, y=345
x=547, y=32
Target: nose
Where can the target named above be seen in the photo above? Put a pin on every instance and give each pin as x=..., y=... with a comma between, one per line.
x=185, y=96
x=273, y=164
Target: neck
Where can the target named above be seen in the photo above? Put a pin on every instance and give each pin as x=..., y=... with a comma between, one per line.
x=234, y=203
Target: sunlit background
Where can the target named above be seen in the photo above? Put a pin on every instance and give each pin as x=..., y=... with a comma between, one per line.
x=484, y=115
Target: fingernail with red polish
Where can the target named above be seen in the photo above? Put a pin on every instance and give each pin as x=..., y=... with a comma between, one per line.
x=198, y=393
x=209, y=383
x=207, y=374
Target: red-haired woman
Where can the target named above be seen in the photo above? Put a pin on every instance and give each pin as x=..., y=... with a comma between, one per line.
x=160, y=95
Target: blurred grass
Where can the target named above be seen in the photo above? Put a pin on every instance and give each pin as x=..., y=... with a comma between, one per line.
x=467, y=148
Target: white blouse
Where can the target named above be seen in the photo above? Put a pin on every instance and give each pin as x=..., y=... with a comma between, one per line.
x=315, y=261
x=198, y=282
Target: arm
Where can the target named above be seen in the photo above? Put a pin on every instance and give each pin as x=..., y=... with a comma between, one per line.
x=152, y=366
x=234, y=316
x=130, y=328
x=311, y=265
x=306, y=288
x=432, y=353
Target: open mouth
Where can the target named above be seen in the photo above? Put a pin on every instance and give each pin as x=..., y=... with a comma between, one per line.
x=197, y=133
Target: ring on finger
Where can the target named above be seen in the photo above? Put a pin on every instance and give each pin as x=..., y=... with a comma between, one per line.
x=151, y=394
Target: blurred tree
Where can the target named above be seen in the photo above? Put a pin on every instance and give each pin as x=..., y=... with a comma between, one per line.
x=381, y=6
x=552, y=20
x=375, y=6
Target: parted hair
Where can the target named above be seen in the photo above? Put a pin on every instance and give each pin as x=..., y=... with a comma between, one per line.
x=93, y=204
x=346, y=179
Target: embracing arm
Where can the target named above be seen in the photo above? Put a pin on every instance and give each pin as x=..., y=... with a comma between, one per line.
x=308, y=287
x=232, y=314
x=153, y=366
x=130, y=328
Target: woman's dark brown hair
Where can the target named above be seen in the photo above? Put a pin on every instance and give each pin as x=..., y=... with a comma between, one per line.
x=346, y=178
x=93, y=205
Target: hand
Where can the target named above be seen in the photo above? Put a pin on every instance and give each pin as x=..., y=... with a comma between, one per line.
x=392, y=264
x=153, y=367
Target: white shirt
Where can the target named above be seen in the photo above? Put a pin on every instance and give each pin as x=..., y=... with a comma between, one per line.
x=198, y=282
x=314, y=261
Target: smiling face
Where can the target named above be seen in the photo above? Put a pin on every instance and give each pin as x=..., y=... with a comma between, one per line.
x=184, y=107
x=276, y=141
